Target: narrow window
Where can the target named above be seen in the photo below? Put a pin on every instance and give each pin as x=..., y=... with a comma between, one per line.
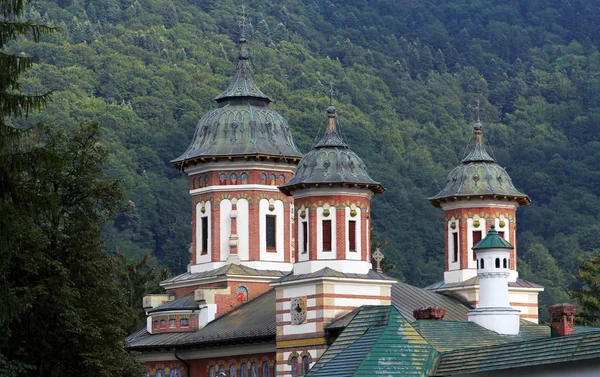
x=305, y=364
x=352, y=235
x=508, y=264
x=271, y=231
x=304, y=237
x=204, y=235
x=504, y=263
x=476, y=239
x=482, y=264
x=454, y=247
x=326, y=235
x=497, y=262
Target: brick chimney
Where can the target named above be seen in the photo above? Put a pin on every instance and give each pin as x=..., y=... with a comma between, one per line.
x=561, y=319
x=432, y=312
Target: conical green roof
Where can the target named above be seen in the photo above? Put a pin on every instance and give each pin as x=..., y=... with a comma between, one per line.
x=331, y=162
x=493, y=241
x=242, y=125
x=479, y=176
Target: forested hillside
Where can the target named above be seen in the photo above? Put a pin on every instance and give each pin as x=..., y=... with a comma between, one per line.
x=407, y=74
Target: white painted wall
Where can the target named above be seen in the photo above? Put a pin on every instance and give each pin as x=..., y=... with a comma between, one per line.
x=225, y=222
x=303, y=255
x=453, y=265
x=353, y=255
x=279, y=235
x=199, y=215
x=242, y=224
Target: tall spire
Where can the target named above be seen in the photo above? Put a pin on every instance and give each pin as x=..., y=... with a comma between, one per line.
x=242, y=84
x=332, y=137
x=478, y=152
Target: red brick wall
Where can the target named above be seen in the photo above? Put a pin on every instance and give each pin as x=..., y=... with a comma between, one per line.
x=487, y=214
x=201, y=367
x=340, y=202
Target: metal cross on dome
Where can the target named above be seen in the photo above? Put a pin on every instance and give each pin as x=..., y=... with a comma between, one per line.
x=243, y=21
x=378, y=257
x=332, y=93
x=477, y=111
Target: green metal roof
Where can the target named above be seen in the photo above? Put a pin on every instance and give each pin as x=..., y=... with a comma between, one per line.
x=377, y=341
x=453, y=335
x=406, y=298
x=243, y=124
x=331, y=162
x=521, y=354
x=493, y=241
x=478, y=175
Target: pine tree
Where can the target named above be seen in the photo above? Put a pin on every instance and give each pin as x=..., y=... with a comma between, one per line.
x=61, y=311
x=588, y=295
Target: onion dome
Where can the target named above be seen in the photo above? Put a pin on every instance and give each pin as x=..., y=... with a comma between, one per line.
x=478, y=176
x=242, y=125
x=331, y=163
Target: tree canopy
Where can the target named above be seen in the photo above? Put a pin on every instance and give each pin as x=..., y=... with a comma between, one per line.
x=407, y=73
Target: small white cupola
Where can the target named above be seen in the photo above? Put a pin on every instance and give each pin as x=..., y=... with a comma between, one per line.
x=493, y=267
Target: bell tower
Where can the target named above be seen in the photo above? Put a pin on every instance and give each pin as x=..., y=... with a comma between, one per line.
x=479, y=195
x=332, y=274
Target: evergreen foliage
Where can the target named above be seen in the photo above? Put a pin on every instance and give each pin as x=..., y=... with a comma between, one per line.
x=408, y=74
x=588, y=295
x=61, y=311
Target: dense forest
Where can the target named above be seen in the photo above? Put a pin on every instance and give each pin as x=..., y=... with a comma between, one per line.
x=407, y=75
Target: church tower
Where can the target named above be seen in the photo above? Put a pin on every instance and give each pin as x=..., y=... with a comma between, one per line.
x=332, y=274
x=479, y=195
x=242, y=232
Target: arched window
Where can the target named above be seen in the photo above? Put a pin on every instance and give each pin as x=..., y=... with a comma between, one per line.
x=482, y=264
x=305, y=364
x=477, y=263
x=253, y=370
x=504, y=263
x=232, y=371
x=497, y=262
x=265, y=370
x=295, y=367
x=244, y=370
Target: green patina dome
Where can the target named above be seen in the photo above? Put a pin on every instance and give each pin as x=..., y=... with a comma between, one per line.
x=331, y=163
x=242, y=125
x=479, y=176
x=493, y=241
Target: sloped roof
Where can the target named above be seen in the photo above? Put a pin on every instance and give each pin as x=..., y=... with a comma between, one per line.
x=377, y=341
x=230, y=269
x=520, y=283
x=186, y=302
x=253, y=320
x=406, y=298
x=452, y=335
x=521, y=354
x=331, y=273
